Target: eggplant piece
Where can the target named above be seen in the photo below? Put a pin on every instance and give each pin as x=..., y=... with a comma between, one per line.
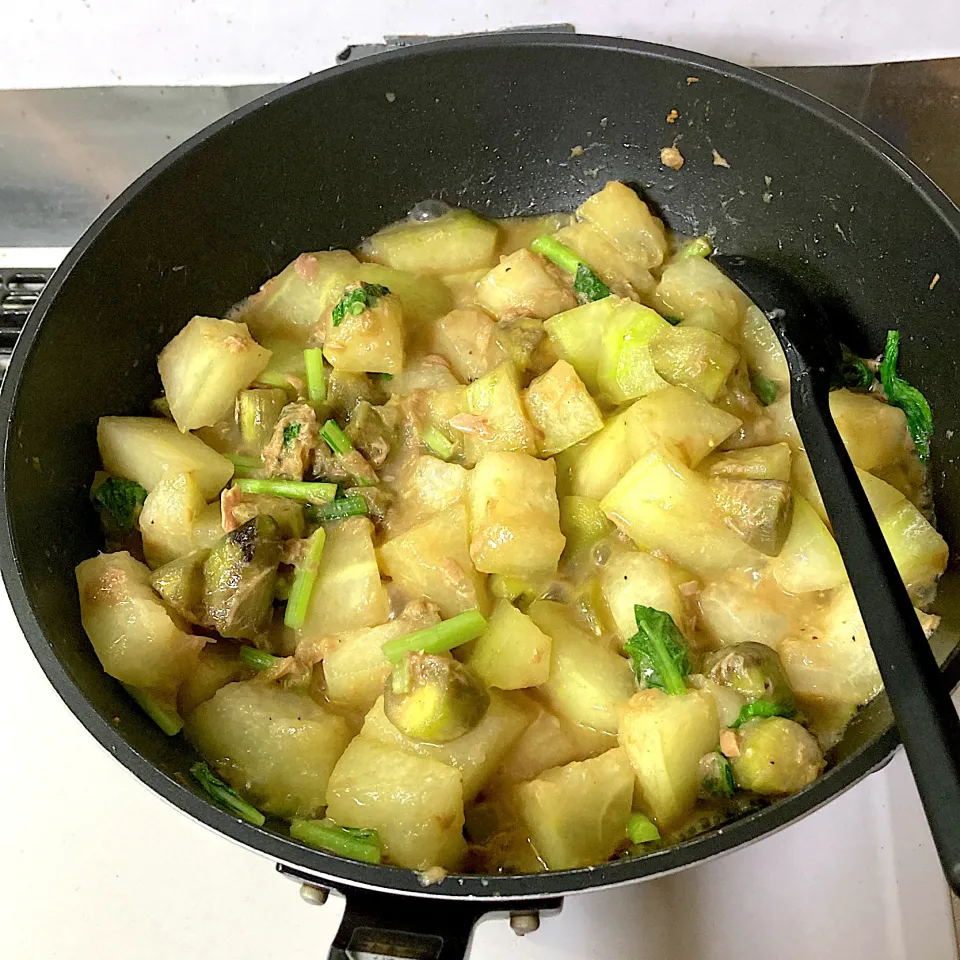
x=295, y=438
x=239, y=578
x=759, y=510
x=370, y=432
x=238, y=507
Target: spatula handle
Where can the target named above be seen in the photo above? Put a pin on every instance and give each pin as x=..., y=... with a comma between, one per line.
x=928, y=722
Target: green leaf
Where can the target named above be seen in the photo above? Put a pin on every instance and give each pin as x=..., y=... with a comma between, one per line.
x=224, y=794
x=357, y=300
x=258, y=659
x=908, y=398
x=853, y=372
x=588, y=286
x=764, y=388
x=658, y=651
x=290, y=433
x=122, y=499
x=761, y=709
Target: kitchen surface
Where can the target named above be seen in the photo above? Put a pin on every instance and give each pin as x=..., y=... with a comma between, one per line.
x=96, y=866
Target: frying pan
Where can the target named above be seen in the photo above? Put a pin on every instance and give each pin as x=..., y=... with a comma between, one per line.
x=489, y=123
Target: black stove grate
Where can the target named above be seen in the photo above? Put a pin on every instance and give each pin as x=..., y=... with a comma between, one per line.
x=19, y=290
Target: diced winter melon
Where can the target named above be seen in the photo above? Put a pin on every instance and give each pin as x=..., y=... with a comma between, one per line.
x=625, y=276
x=577, y=336
x=665, y=736
x=217, y=665
x=276, y=747
x=761, y=348
x=367, y=342
x=810, y=559
x=665, y=507
x=354, y=667
x=577, y=814
x=739, y=612
x=695, y=358
x=524, y=285
x=476, y=755
x=176, y=520
x=432, y=560
x=513, y=652
x=205, y=366
x=466, y=338
x=630, y=577
x=689, y=284
x=627, y=222
x=499, y=419
x=515, y=516
x=583, y=523
x=147, y=449
x=415, y=803
x=428, y=486
x=348, y=593
x=133, y=633
x=771, y=462
x=626, y=369
x=423, y=298
x=588, y=682
x=560, y=409
x=918, y=550
x=457, y=241
x=602, y=461
x=520, y=232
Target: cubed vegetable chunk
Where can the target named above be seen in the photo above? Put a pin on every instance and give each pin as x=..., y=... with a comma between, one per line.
x=348, y=593
x=455, y=242
x=588, y=683
x=370, y=340
x=617, y=268
x=466, y=339
x=432, y=560
x=147, y=449
x=630, y=577
x=513, y=652
x=691, y=284
x=761, y=348
x=204, y=367
x=476, y=754
x=561, y=409
x=524, y=285
x=577, y=815
x=217, y=665
x=176, y=520
x=496, y=417
x=354, y=666
x=664, y=737
x=695, y=358
x=414, y=803
x=810, y=559
x=665, y=507
x=578, y=334
x=514, y=516
x=627, y=222
x=276, y=747
x=135, y=636
x=626, y=369
x=750, y=463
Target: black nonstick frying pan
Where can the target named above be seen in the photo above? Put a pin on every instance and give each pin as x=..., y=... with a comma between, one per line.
x=489, y=123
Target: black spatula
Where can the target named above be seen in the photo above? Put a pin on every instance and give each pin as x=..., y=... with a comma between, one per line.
x=925, y=715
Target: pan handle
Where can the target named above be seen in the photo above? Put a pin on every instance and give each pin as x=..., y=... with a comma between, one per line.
x=417, y=928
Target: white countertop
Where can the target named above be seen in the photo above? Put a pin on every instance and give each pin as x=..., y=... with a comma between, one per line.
x=53, y=43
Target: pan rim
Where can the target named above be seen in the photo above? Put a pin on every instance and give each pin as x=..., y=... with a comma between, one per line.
x=327, y=868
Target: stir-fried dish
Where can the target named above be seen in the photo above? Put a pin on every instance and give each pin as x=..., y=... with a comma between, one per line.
x=491, y=546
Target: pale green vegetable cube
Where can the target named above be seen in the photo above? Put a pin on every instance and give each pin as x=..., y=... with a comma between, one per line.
x=423, y=298
x=742, y=612
x=513, y=652
x=432, y=560
x=577, y=814
x=217, y=665
x=560, y=409
x=427, y=486
x=204, y=367
x=466, y=338
x=514, y=516
x=919, y=552
x=147, y=449
x=348, y=593
x=414, y=803
x=476, y=755
x=276, y=747
x=367, y=342
x=810, y=559
x=176, y=520
x=524, y=285
x=695, y=358
x=630, y=577
x=138, y=640
x=761, y=348
x=664, y=737
x=577, y=336
x=602, y=460
x=626, y=368
x=618, y=269
x=583, y=524
x=665, y=507
x=770, y=462
x=455, y=242
x=498, y=420
x=354, y=666
x=627, y=222
x=588, y=682
x=690, y=284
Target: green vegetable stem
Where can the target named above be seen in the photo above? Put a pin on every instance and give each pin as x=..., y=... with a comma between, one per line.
x=439, y=638
x=586, y=284
x=304, y=581
x=224, y=794
x=303, y=490
x=352, y=842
